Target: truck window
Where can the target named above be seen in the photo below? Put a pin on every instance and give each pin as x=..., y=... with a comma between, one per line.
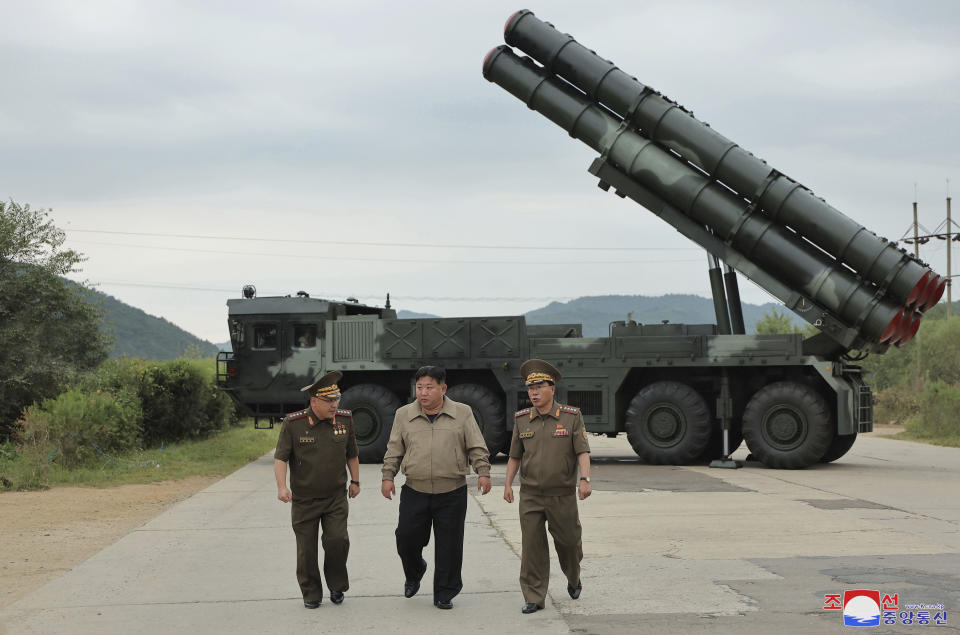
x=305, y=336
x=265, y=336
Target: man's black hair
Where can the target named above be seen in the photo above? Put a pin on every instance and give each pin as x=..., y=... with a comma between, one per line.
x=437, y=372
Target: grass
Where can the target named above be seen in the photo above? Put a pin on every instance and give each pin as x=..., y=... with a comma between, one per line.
x=218, y=455
x=908, y=435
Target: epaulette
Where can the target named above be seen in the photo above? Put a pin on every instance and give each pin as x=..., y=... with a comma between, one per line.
x=343, y=412
x=570, y=409
x=520, y=413
x=299, y=414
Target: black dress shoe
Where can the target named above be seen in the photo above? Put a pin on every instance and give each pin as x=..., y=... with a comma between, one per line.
x=440, y=604
x=410, y=587
x=530, y=607
x=575, y=591
x=311, y=604
x=336, y=597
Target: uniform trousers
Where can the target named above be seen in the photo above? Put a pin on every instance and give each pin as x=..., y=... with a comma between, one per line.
x=560, y=514
x=447, y=513
x=308, y=516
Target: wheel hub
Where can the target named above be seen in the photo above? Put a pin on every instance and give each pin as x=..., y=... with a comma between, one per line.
x=365, y=425
x=784, y=428
x=665, y=426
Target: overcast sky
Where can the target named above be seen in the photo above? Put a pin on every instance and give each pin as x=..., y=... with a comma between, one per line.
x=189, y=148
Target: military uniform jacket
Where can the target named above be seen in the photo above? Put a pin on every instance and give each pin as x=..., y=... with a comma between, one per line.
x=317, y=452
x=547, y=446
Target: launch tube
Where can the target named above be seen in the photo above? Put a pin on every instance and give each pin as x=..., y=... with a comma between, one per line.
x=668, y=124
x=776, y=249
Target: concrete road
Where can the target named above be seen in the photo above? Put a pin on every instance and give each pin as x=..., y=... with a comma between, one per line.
x=667, y=550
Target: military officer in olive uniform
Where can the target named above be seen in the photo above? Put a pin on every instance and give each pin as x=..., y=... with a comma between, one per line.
x=549, y=444
x=317, y=443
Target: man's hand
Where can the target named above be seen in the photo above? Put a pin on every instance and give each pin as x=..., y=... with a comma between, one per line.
x=508, y=494
x=387, y=489
x=283, y=494
x=584, y=490
x=483, y=484
x=353, y=491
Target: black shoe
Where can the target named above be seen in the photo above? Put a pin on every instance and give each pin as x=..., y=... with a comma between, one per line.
x=336, y=597
x=440, y=604
x=311, y=604
x=530, y=607
x=410, y=587
x=574, y=591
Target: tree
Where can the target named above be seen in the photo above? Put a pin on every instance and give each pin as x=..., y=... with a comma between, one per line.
x=48, y=331
x=778, y=323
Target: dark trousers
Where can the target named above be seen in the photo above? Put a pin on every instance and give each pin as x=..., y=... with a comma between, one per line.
x=447, y=513
x=308, y=517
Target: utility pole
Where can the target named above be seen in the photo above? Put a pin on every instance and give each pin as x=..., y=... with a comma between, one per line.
x=916, y=232
x=949, y=279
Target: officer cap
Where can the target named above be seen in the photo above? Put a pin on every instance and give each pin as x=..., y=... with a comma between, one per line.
x=537, y=371
x=326, y=386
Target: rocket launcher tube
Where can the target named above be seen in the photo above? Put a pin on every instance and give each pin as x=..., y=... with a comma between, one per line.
x=668, y=124
x=781, y=253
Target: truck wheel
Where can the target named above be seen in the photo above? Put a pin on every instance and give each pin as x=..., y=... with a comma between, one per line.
x=373, y=408
x=840, y=445
x=668, y=423
x=488, y=410
x=787, y=425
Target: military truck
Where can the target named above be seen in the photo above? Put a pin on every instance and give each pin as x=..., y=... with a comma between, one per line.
x=681, y=392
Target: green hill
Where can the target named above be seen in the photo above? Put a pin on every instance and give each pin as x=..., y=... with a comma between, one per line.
x=136, y=333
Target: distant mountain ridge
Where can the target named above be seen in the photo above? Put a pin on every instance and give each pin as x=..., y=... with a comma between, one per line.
x=597, y=312
x=136, y=333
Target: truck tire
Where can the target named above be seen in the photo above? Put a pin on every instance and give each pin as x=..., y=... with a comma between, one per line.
x=668, y=423
x=488, y=410
x=787, y=425
x=840, y=445
x=373, y=408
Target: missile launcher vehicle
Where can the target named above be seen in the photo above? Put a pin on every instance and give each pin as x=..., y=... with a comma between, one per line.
x=682, y=393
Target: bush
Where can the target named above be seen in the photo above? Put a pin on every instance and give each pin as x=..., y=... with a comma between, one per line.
x=78, y=428
x=939, y=416
x=181, y=401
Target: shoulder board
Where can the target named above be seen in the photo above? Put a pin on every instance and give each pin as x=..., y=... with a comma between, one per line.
x=343, y=412
x=299, y=414
x=571, y=409
x=520, y=413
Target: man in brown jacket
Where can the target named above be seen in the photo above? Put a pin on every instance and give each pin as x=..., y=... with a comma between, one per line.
x=434, y=440
x=549, y=445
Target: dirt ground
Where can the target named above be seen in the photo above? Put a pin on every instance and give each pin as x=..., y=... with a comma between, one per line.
x=45, y=534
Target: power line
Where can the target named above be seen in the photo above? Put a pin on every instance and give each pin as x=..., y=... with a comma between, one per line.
x=432, y=261
x=382, y=244
x=334, y=294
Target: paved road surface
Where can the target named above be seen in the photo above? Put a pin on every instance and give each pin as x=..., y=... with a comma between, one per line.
x=667, y=549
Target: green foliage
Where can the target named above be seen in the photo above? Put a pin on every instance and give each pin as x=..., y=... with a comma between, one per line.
x=78, y=428
x=939, y=413
x=779, y=323
x=216, y=456
x=934, y=354
x=180, y=401
x=50, y=332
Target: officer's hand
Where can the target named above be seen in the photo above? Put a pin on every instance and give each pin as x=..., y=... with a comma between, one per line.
x=508, y=494
x=388, y=490
x=353, y=491
x=585, y=490
x=483, y=484
x=284, y=494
